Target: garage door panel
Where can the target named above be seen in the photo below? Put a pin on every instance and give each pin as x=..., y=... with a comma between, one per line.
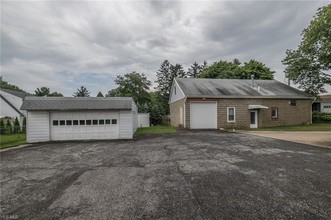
x=203, y=115
x=84, y=132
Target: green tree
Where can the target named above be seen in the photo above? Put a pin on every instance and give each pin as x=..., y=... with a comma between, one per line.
x=82, y=92
x=24, y=125
x=256, y=68
x=9, y=128
x=156, y=108
x=5, y=85
x=133, y=85
x=234, y=70
x=100, y=94
x=2, y=126
x=56, y=94
x=155, y=114
x=43, y=91
x=196, y=69
x=165, y=76
x=236, y=61
x=222, y=70
x=17, y=128
x=113, y=93
x=310, y=64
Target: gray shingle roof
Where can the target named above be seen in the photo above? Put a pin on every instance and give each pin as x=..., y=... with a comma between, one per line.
x=16, y=93
x=236, y=88
x=77, y=103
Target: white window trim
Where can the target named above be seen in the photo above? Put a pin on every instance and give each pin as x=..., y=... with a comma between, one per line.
x=234, y=114
x=276, y=110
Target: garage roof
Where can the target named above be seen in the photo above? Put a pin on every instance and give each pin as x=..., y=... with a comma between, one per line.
x=77, y=103
x=238, y=88
x=16, y=93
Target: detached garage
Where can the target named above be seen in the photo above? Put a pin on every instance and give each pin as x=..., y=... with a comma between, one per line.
x=80, y=118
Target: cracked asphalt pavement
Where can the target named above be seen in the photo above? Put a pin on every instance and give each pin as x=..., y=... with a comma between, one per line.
x=188, y=175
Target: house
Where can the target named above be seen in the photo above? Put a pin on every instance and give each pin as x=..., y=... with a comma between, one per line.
x=322, y=104
x=235, y=103
x=79, y=118
x=10, y=102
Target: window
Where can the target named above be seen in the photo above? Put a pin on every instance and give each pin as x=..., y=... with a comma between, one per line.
x=101, y=122
x=88, y=122
x=82, y=122
x=327, y=106
x=75, y=122
x=69, y=122
x=293, y=102
x=114, y=121
x=274, y=113
x=95, y=122
x=231, y=114
x=107, y=121
x=62, y=122
x=175, y=90
x=55, y=123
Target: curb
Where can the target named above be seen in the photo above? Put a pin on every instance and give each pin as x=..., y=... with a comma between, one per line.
x=13, y=148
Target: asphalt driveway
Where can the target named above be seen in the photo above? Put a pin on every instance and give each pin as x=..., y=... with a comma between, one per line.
x=188, y=175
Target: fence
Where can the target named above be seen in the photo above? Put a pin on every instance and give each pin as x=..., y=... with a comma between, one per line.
x=10, y=125
x=163, y=120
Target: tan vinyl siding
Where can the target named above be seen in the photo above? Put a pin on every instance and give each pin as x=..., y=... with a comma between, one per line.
x=175, y=112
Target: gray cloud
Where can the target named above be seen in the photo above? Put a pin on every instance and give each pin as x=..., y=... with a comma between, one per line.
x=95, y=41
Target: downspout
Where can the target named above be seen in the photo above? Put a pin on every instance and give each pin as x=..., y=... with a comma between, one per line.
x=185, y=111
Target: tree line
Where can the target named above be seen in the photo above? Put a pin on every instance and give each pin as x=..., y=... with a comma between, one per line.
x=308, y=66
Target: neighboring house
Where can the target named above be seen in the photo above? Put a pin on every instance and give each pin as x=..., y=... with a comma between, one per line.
x=80, y=118
x=232, y=103
x=322, y=104
x=10, y=102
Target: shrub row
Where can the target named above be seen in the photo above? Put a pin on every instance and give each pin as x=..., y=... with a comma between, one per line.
x=9, y=128
x=321, y=117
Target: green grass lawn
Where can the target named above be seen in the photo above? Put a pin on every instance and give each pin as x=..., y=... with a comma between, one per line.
x=11, y=140
x=312, y=127
x=158, y=129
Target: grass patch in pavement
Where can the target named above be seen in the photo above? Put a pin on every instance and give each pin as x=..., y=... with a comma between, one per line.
x=12, y=140
x=158, y=129
x=312, y=127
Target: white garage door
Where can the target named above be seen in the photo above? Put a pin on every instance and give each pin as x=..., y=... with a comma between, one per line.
x=203, y=115
x=84, y=125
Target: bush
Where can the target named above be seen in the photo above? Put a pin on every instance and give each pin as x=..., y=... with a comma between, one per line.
x=321, y=117
x=9, y=127
x=326, y=117
x=17, y=128
x=2, y=126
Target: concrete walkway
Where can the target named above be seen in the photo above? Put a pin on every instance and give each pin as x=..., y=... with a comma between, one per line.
x=316, y=138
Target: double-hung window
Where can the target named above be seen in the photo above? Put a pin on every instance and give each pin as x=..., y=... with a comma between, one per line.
x=231, y=114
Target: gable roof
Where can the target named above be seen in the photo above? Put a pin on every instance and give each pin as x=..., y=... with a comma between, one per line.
x=77, y=103
x=238, y=88
x=16, y=93
x=11, y=105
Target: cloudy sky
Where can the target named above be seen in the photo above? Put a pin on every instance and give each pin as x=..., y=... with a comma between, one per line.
x=65, y=44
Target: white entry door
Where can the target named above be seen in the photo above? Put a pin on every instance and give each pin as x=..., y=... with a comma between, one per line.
x=254, y=119
x=203, y=115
